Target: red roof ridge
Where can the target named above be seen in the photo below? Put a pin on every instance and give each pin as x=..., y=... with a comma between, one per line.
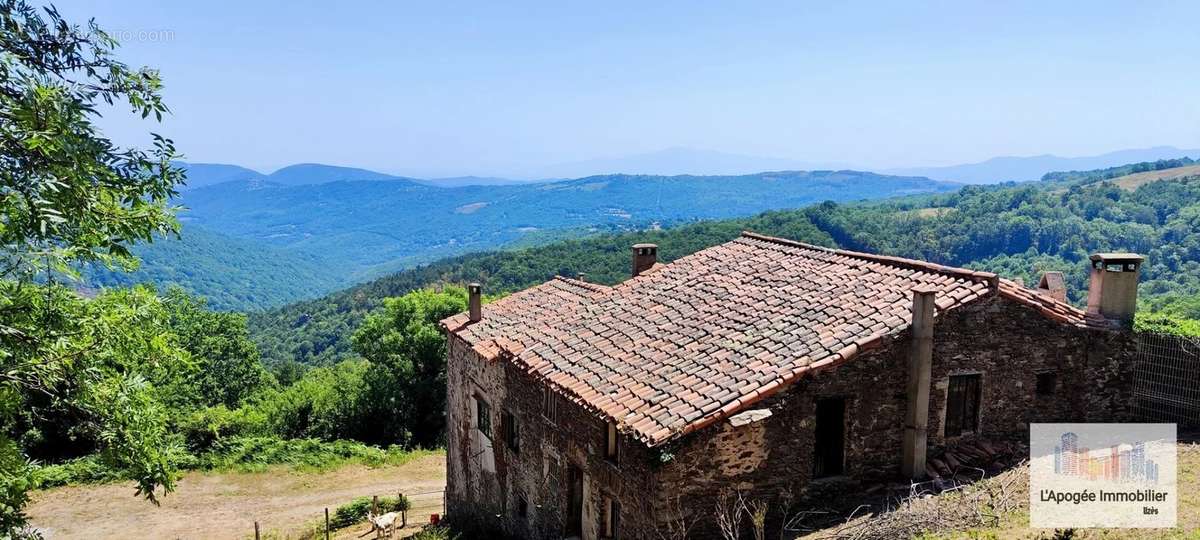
x=597, y=287
x=990, y=278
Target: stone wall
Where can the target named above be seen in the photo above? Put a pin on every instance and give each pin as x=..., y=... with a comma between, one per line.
x=1006, y=342
x=770, y=458
x=538, y=471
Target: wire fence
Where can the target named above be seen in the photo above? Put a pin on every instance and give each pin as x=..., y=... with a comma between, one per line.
x=426, y=504
x=422, y=508
x=1166, y=384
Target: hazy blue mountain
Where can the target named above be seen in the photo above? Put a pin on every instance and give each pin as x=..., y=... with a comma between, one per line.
x=675, y=161
x=206, y=174
x=1022, y=169
x=316, y=173
x=369, y=227
x=463, y=181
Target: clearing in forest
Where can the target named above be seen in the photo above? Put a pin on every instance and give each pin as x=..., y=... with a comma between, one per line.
x=226, y=505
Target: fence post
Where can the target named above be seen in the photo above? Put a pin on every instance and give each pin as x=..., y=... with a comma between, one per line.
x=403, y=510
x=375, y=504
x=256, y=534
x=326, y=524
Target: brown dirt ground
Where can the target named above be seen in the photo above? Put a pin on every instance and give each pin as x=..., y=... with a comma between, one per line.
x=226, y=505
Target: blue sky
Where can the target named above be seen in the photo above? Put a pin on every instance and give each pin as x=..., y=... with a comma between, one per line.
x=451, y=88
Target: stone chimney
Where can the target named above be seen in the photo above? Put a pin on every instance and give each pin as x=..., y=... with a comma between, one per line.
x=644, y=256
x=1112, y=291
x=1053, y=284
x=475, y=301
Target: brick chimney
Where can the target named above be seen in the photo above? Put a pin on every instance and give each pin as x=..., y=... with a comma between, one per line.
x=1112, y=291
x=475, y=302
x=644, y=256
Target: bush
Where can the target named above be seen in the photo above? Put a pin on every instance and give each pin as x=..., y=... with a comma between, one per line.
x=1159, y=323
x=204, y=428
x=355, y=511
x=85, y=470
x=256, y=453
x=236, y=453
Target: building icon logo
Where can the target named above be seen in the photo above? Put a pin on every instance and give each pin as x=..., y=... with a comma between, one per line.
x=1119, y=463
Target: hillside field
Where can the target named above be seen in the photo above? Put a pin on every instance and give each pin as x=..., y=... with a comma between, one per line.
x=226, y=505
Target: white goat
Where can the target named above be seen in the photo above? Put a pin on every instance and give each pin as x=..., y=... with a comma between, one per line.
x=383, y=525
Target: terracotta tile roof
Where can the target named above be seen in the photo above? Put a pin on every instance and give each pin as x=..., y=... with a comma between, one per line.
x=674, y=350
x=1050, y=306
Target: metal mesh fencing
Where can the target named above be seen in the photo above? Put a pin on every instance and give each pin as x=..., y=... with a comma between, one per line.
x=1167, y=379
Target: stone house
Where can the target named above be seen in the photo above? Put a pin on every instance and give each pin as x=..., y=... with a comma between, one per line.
x=763, y=365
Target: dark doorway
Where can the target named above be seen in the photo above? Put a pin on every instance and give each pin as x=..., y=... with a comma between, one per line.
x=575, y=502
x=829, y=455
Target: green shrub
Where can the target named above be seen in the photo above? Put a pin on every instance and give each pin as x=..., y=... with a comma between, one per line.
x=85, y=470
x=204, y=428
x=355, y=511
x=1160, y=323
x=236, y=453
x=256, y=453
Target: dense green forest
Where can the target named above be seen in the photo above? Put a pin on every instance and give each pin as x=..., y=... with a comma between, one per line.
x=1016, y=230
x=231, y=273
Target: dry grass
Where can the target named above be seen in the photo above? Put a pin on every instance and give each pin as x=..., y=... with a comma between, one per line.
x=998, y=508
x=225, y=505
x=1131, y=182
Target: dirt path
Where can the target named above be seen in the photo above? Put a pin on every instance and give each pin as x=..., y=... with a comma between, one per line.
x=226, y=505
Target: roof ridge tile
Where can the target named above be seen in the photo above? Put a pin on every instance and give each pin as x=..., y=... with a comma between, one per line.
x=892, y=260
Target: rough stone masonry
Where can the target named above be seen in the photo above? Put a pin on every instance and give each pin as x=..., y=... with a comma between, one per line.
x=763, y=366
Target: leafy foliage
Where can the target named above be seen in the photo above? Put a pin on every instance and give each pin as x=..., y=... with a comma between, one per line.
x=238, y=454
x=69, y=196
x=356, y=511
x=230, y=273
x=406, y=383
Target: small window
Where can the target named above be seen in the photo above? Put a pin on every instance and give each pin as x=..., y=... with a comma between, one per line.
x=483, y=417
x=512, y=432
x=612, y=444
x=1046, y=383
x=612, y=519
x=962, y=405
x=549, y=405
x=829, y=454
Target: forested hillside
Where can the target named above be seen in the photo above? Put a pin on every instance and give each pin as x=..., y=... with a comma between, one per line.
x=1017, y=230
x=231, y=273
x=366, y=228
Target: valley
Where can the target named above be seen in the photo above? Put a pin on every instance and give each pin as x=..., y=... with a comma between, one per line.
x=312, y=228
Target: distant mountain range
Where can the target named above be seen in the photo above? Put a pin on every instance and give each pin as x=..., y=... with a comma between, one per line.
x=677, y=161
x=1024, y=169
x=690, y=161
x=253, y=240
x=201, y=175
x=264, y=240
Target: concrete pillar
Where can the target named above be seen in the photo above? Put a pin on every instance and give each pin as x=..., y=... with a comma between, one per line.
x=920, y=367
